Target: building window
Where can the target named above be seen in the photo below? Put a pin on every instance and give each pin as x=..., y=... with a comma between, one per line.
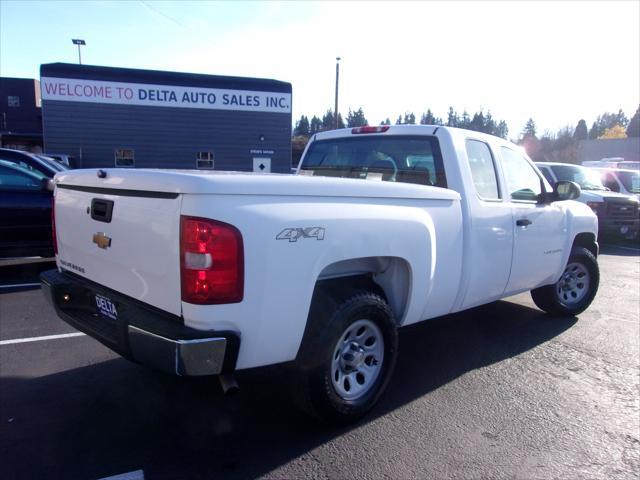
x=204, y=160
x=125, y=157
x=13, y=101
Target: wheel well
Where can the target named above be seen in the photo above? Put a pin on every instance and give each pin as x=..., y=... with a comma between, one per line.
x=388, y=277
x=588, y=241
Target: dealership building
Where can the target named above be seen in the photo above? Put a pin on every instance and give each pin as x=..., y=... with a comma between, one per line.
x=117, y=117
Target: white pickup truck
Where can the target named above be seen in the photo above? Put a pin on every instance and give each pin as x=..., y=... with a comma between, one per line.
x=205, y=273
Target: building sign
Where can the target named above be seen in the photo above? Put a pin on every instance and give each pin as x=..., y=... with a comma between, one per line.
x=259, y=151
x=120, y=93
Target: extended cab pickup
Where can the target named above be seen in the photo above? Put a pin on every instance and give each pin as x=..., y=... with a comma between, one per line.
x=205, y=273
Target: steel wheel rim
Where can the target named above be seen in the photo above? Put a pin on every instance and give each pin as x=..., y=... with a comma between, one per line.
x=574, y=284
x=357, y=359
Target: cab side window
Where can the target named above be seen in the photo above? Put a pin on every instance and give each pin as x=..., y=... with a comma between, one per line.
x=523, y=182
x=483, y=169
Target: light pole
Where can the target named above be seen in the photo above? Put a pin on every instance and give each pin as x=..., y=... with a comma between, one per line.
x=335, y=111
x=79, y=42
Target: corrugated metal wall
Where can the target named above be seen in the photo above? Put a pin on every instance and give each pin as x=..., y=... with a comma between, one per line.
x=165, y=137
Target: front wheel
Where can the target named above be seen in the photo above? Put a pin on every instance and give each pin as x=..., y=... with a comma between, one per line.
x=346, y=363
x=575, y=290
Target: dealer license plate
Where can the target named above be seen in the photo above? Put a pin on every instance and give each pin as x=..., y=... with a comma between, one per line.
x=106, y=307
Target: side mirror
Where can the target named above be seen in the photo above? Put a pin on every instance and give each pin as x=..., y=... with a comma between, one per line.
x=565, y=190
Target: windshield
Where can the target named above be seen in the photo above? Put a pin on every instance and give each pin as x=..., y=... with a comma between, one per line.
x=407, y=159
x=17, y=169
x=587, y=179
x=53, y=163
x=630, y=180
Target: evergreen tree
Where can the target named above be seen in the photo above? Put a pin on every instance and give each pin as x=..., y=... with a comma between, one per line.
x=409, y=118
x=465, y=121
x=302, y=127
x=502, y=130
x=478, y=122
x=633, y=129
x=399, y=120
x=581, y=132
x=529, y=129
x=340, y=121
x=386, y=122
x=428, y=118
x=328, y=121
x=356, y=118
x=315, y=126
x=452, y=118
x=607, y=121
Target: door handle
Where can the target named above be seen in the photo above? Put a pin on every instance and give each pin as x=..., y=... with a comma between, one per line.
x=523, y=222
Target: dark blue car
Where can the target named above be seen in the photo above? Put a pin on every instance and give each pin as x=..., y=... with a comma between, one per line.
x=25, y=203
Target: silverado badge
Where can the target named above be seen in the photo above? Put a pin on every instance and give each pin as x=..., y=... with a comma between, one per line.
x=101, y=240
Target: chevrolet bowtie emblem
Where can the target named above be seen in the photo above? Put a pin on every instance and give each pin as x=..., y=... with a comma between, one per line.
x=101, y=240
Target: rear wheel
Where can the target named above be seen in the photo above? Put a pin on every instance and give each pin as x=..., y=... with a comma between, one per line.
x=347, y=357
x=575, y=290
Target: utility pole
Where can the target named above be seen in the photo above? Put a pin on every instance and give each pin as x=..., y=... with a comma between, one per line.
x=335, y=110
x=79, y=43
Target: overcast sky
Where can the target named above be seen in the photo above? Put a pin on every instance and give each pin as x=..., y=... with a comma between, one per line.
x=553, y=61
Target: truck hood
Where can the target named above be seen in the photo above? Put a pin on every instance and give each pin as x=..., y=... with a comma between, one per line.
x=238, y=183
x=602, y=195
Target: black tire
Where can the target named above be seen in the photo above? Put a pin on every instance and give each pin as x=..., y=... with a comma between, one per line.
x=549, y=299
x=329, y=319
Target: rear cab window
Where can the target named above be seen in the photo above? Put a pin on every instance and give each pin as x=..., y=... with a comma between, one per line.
x=398, y=158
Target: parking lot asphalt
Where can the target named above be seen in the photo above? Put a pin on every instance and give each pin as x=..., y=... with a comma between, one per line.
x=500, y=391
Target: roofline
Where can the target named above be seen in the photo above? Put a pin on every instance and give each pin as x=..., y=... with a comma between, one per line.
x=410, y=130
x=135, y=75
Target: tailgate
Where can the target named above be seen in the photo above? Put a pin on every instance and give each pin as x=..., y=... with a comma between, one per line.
x=126, y=240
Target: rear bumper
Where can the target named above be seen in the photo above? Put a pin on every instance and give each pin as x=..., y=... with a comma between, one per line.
x=140, y=332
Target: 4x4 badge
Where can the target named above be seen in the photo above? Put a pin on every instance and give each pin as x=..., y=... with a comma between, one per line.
x=293, y=234
x=101, y=240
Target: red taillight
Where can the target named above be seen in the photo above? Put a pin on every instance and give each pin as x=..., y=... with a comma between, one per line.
x=53, y=225
x=379, y=129
x=211, y=261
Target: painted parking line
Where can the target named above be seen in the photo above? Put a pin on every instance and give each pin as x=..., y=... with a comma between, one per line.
x=40, y=339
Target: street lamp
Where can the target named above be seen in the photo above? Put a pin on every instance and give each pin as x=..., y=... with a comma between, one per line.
x=79, y=42
x=335, y=111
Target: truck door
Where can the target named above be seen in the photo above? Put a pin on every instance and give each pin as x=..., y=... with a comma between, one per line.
x=489, y=241
x=539, y=229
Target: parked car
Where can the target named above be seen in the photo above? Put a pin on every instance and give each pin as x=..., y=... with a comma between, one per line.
x=32, y=161
x=626, y=182
x=205, y=273
x=618, y=214
x=614, y=162
x=25, y=203
x=63, y=158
